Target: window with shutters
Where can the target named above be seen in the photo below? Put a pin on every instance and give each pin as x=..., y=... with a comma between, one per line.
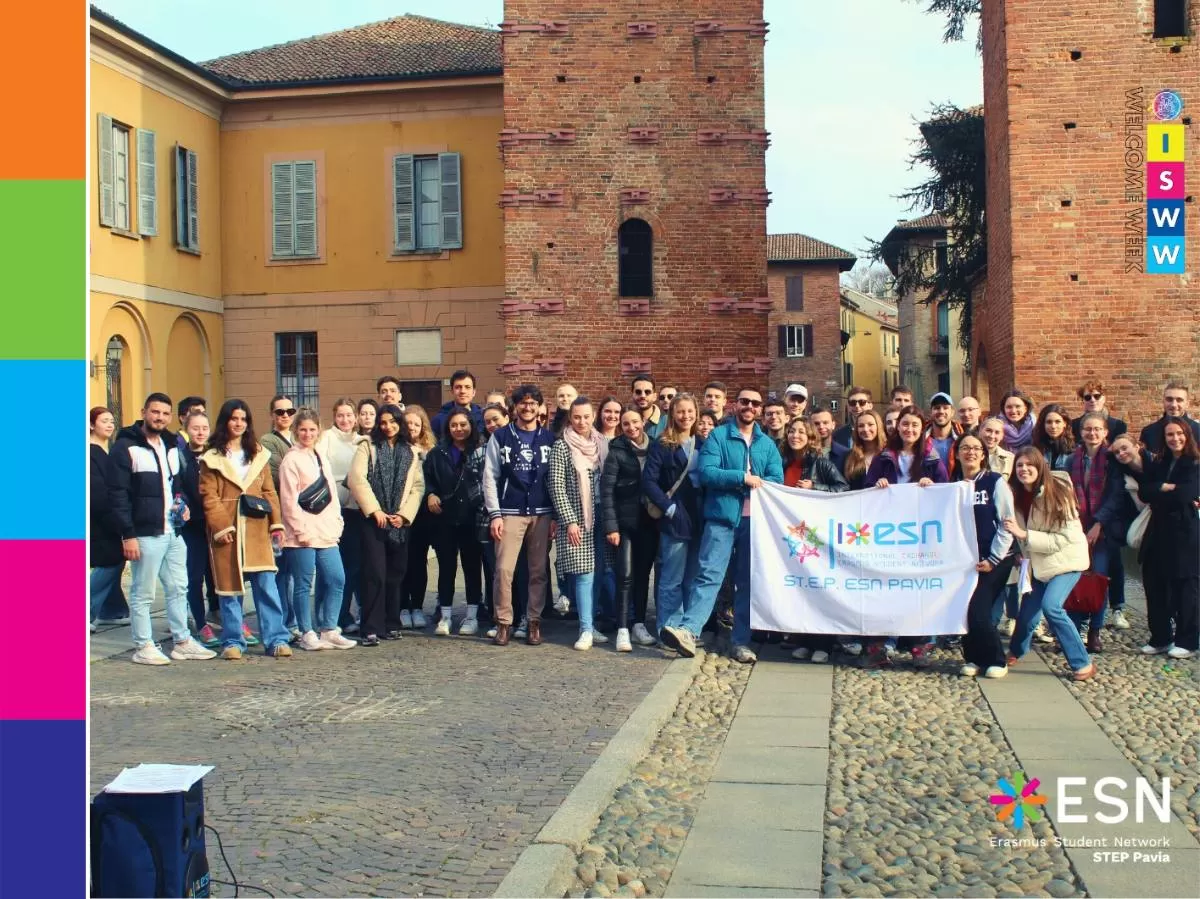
x=795, y=293
x=187, y=216
x=294, y=210
x=635, y=259
x=296, y=367
x=1170, y=18
x=427, y=203
x=795, y=341
x=114, y=173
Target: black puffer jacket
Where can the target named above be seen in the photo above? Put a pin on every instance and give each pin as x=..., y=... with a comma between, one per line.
x=136, y=490
x=621, y=489
x=1174, y=530
x=459, y=487
x=105, y=549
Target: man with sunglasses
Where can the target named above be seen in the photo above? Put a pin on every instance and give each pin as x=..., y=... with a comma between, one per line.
x=645, y=399
x=737, y=457
x=665, y=396
x=858, y=401
x=1094, y=400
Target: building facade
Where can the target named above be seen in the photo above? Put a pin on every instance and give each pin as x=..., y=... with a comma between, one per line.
x=1068, y=295
x=871, y=344
x=634, y=194
x=803, y=283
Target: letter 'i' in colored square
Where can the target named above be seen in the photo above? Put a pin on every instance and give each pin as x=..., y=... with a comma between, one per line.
x=1164, y=181
x=1164, y=256
x=1164, y=143
x=1164, y=217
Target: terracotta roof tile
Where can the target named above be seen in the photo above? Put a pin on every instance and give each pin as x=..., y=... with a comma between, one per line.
x=931, y=222
x=407, y=46
x=802, y=248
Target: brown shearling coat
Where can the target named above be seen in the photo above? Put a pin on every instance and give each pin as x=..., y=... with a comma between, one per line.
x=221, y=490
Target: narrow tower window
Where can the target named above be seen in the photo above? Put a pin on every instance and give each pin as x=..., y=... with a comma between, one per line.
x=635, y=259
x=1170, y=18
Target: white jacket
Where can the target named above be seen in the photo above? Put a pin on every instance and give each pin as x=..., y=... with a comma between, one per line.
x=1053, y=552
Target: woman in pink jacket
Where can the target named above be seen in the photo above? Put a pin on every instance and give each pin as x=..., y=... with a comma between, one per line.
x=312, y=519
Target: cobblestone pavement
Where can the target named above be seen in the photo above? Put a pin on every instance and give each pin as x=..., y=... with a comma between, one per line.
x=422, y=767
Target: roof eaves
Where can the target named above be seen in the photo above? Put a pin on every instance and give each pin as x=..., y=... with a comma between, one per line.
x=117, y=25
x=251, y=86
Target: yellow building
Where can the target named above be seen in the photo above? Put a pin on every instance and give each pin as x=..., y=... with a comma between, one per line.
x=870, y=344
x=345, y=190
x=154, y=213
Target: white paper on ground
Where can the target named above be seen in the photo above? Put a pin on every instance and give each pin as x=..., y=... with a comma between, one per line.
x=157, y=778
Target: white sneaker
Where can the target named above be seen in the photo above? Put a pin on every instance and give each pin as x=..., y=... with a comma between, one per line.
x=585, y=641
x=93, y=627
x=191, y=651
x=1150, y=650
x=820, y=657
x=641, y=635
x=1119, y=621
x=1041, y=635
x=406, y=619
x=623, y=644
x=801, y=653
x=969, y=670
x=522, y=630
x=469, y=627
x=599, y=638
x=122, y=620
x=853, y=648
x=491, y=632
x=443, y=626
x=150, y=654
x=418, y=620
x=1178, y=652
x=562, y=605
x=310, y=641
x=337, y=641
x=996, y=671
x=1007, y=626
x=744, y=654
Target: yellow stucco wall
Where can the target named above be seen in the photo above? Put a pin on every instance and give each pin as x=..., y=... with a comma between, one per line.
x=876, y=366
x=163, y=303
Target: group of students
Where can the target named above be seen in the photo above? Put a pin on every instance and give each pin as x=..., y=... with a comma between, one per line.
x=332, y=528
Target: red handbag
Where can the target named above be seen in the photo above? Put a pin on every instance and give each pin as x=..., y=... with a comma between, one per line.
x=1089, y=595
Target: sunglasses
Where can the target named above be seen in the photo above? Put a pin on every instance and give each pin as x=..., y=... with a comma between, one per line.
x=642, y=392
x=753, y=403
x=860, y=402
x=283, y=412
x=1093, y=396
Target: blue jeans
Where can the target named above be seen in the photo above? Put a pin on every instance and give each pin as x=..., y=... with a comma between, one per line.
x=350, y=546
x=325, y=564
x=101, y=584
x=716, y=547
x=583, y=585
x=271, y=629
x=604, y=604
x=1048, y=598
x=199, y=573
x=283, y=588
x=678, y=562
x=163, y=557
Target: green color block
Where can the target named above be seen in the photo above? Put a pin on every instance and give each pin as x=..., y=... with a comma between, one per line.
x=43, y=262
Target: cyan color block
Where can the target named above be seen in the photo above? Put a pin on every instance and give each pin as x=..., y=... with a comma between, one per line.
x=1164, y=256
x=1164, y=218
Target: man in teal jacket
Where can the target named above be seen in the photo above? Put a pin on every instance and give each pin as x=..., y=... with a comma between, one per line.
x=737, y=457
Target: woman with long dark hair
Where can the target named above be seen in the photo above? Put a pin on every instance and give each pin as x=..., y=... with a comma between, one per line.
x=1047, y=525
x=1018, y=419
x=107, y=558
x=454, y=497
x=420, y=537
x=367, y=411
x=993, y=503
x=1052, y=435
x=387, y=482
x=1170, y=562
x=245, y=530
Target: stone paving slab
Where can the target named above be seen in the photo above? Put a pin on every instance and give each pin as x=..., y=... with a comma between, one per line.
x=747, y=732
x=699, y=891
x=772, y=765
x=748, y=806
x=751, y=858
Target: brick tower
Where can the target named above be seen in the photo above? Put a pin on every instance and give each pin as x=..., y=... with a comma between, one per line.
x=635, y=201
x=1068, y=90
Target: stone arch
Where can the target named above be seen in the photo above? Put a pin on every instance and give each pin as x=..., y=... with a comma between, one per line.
x=189, y=359
x=125, y=322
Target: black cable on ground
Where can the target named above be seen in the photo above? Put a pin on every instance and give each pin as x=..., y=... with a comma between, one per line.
x=237, y=887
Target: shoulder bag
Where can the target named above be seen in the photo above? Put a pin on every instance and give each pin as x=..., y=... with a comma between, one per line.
x=654, y=511
x=254, y=506
x=317, y=495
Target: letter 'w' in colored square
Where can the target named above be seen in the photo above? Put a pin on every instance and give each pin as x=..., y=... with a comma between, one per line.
x=1164, y=256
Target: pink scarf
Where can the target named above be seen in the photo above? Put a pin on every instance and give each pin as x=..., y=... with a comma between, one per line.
x=587, y=454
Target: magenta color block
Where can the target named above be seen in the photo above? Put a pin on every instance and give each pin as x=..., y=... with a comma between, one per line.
x=45, y=583
x=1159, y=173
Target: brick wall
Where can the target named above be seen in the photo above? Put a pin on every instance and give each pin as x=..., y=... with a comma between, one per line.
x=601, y=82
x=820, y=372
x=1061, y=305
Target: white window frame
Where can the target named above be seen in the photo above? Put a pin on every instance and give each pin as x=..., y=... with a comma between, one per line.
x=794, y=347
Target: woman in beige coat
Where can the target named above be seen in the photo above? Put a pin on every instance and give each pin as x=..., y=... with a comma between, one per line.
x=1052, y=539
x=387, y=483
x=243, y=536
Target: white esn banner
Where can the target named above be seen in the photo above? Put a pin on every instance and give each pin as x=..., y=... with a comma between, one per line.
x=893, y=562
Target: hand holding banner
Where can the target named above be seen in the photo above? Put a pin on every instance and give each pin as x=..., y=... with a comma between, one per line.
x=893, y=562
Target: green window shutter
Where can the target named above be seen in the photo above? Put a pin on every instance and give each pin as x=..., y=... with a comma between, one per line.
x=402, y=176
x=147, y=183
x=193, y=209
x=104, y=138
x=282, y=237
x=305, y=175
x=451, y=171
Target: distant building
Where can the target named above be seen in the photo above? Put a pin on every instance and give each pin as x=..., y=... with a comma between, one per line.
x=931, y=356
x=870, y=345
x=803, y=283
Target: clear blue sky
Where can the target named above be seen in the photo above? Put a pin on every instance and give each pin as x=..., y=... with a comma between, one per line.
x=846, y=82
